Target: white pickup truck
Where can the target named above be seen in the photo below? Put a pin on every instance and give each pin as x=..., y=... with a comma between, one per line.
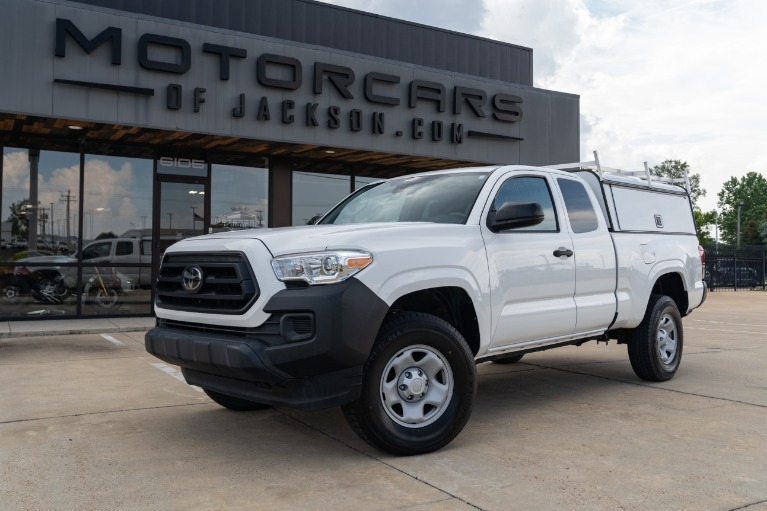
x=386, y=306
x=132, y=252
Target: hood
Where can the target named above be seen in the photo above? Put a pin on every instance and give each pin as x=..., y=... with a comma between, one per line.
x=310, y=238
x=52, y=259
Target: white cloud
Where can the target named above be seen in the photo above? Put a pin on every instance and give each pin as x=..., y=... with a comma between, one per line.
x=658, y=79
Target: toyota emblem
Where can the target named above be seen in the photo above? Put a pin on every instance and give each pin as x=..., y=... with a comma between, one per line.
x=191, y=279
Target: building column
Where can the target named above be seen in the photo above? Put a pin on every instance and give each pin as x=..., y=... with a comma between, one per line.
x=280, y=193
x=32, y=210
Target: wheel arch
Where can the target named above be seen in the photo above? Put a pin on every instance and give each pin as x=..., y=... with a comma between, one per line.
x=450, y=303
x=672, y=285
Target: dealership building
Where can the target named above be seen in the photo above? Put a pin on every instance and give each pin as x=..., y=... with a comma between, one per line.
x=127, y=125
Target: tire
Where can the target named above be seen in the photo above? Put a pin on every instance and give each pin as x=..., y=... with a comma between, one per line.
x=234, y=403
x=105, y=298
x=511, y=359
x=418, y=386
x=655, y=346
x=11, y=296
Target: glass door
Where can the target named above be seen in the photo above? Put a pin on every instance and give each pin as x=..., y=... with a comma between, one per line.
x=181, y=211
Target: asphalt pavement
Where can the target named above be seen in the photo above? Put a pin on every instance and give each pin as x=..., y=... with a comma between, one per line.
x=89, y=420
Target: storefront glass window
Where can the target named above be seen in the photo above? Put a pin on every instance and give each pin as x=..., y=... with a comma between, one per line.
x=315, y=194
x=39, y=209
x=239, y=197
x=117, y=232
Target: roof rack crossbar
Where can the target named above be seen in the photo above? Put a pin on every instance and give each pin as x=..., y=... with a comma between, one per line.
x=645, y=175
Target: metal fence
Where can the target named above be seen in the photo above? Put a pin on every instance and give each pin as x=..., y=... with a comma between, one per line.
x=735, y=269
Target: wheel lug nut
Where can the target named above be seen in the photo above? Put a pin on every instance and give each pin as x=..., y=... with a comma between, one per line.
x=408, y=374
x=410, y=398
x=403, y=387
x=420, y=373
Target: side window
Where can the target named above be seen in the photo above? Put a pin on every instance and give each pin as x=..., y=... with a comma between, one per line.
x=529, y=189
x=97, y=250
x=124, y=248
x=582, y=216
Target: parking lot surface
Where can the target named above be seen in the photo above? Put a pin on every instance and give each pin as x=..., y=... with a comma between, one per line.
x=94, y=422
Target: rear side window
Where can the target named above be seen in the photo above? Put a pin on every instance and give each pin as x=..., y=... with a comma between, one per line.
x=124, y=248
x=582, y=216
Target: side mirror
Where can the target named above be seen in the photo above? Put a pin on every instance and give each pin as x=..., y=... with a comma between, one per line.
x=513, y=215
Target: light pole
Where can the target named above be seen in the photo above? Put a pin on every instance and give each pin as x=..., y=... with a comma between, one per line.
x=716, y=229
x=738, y=243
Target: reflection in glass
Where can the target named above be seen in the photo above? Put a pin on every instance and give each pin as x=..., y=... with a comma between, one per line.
x=315, y=194
x=239, y=197
x=117, y=230
x=179, y=203
x=39, y=228
x=117, y=197
x=445, y=199
x=39, y=203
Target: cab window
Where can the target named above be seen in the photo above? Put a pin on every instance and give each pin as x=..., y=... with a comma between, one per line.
x=97, y=250
x=529, y=189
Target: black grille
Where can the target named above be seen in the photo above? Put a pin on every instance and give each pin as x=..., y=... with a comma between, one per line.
x=228, y=286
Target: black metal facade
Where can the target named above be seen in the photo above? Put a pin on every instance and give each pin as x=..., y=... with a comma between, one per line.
x=331, y=26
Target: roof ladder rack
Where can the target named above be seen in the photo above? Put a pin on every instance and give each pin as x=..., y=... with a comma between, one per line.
x=644, y=175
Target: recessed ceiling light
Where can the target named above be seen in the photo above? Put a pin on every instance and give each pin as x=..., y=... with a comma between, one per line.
x=73, y=127
x=330, y=152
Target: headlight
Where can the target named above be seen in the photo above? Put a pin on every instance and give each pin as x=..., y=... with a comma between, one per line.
x=321, y=267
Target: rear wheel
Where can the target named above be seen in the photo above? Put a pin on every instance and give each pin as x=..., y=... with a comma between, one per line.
x=234, y=403
x=655, y=346
x=418, y=386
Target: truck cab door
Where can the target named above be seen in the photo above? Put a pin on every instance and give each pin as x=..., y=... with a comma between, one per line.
x=532, y=279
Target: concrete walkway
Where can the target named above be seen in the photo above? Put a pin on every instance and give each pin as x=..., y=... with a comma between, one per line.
x=74, y=326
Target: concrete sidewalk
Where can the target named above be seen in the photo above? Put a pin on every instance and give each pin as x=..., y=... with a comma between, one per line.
x=74, y=326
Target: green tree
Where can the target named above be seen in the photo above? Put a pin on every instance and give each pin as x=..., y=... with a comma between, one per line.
x=750, y=193
x=676, y=169
x=19, y=218
x=706, y=223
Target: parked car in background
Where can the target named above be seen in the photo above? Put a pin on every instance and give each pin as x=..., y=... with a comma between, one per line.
x=738, y=277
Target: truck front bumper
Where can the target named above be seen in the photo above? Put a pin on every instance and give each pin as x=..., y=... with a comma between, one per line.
x=309, y=354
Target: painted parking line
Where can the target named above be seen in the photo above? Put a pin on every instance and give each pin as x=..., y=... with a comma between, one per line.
x=723, y=322
x=729, y=331
x=175, y=373
x=112, y=340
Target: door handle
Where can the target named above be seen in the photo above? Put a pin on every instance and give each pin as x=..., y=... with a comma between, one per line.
x=562, y=251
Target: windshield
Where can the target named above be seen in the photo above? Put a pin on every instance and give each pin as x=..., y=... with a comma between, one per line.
x=440, y=198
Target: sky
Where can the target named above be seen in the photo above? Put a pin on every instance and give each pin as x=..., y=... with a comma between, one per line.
x=657, y=80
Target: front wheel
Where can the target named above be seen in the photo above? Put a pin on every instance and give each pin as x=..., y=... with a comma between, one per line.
x=234, y=403
x=418, y=386
x=655, y=346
